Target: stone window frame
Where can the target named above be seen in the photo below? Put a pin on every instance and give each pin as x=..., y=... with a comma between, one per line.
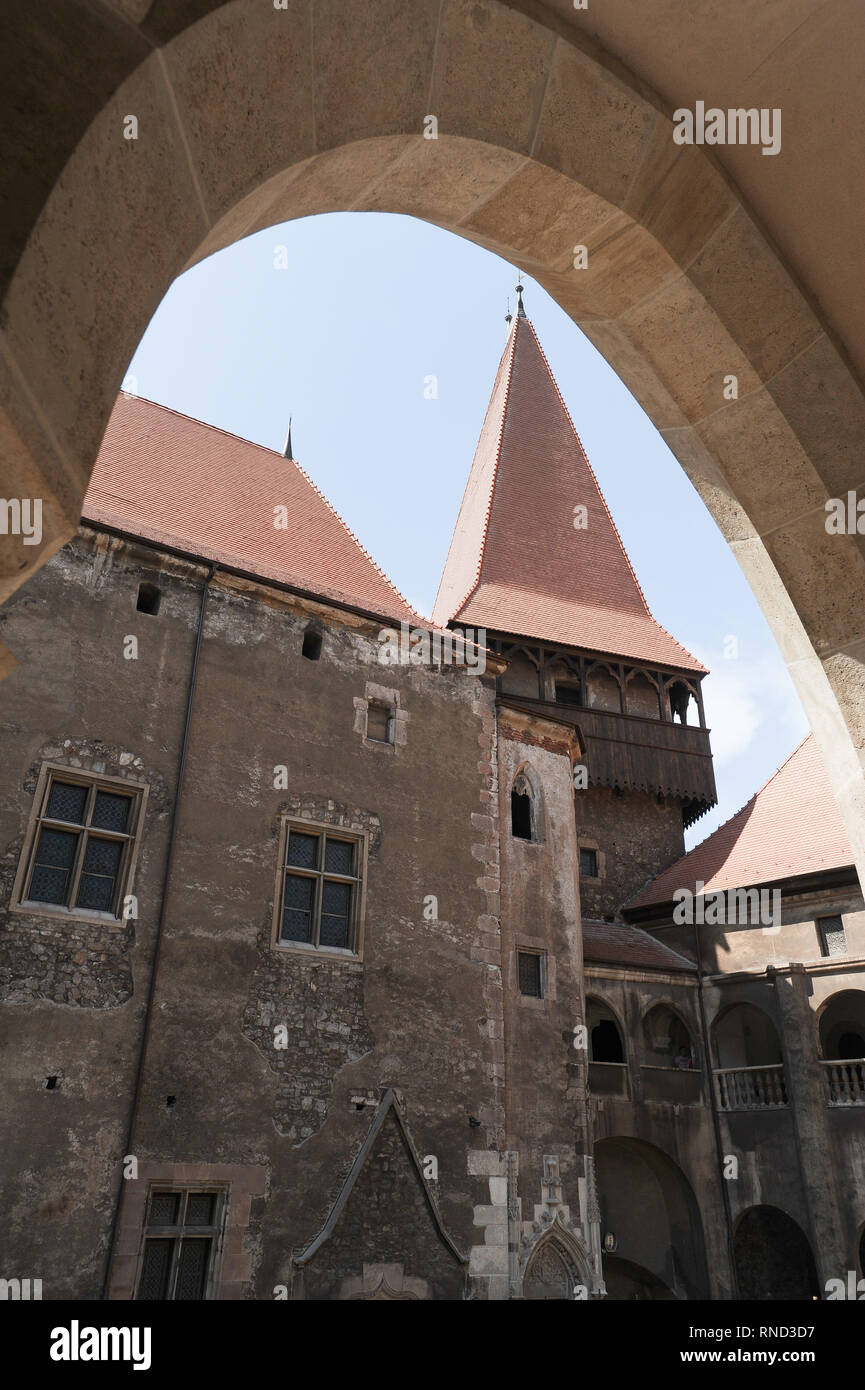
x=534, y=945
x=389, y=696
x=585, y=842
x=222, y=1192
x=289, y=820
x=243, y=1184
x=49, y=772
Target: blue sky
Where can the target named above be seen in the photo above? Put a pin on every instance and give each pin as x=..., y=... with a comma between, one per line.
x=339, y=321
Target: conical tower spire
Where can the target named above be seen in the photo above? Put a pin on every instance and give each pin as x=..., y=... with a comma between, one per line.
x=287, y=450
x=535, y=551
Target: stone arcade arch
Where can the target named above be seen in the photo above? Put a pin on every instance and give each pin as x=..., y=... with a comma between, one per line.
x=649, y=1208
x=773, y=1257
x=554, y=133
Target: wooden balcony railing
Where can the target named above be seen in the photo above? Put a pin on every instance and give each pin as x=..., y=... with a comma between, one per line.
x=846, y=1081
x=751, y=1088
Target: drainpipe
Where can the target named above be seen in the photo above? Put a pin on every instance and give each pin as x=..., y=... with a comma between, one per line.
x=716, y=1121
x=160, y=926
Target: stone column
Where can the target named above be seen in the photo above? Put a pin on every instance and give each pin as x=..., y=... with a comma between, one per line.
x=808, y=1099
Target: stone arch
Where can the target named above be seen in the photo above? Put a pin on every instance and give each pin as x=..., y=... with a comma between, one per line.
x=547, y=138
x=667, y=1037
x=601, y=1019
x=840, y=1020
x=773, y=1256
x=650, y=1213
x=555, y=1264
x=744, y=1035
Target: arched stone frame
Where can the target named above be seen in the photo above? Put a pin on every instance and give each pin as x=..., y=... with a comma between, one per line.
x=526, y=781
x=819, y=1015
x=790, y=1224
x=592, y=996
x=640, y=672
x=733, y=1006
x=555, y=1235
x=683, y=289
x=591, y=668
x=692, y=1031
x=682, y=1248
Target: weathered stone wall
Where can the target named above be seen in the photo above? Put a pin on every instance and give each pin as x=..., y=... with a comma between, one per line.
x=73, y=989
x=635, y=836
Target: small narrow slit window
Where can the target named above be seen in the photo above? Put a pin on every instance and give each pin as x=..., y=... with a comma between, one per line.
x=379, y=723
x=833, y=942
x=567, y=693
x=311, y=644
x=530, y=973
x=588, y=863
x=522, y=811
x=148, y=599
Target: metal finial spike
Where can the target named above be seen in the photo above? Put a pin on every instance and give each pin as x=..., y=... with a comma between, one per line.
x=521, y=313
x=509, y=316
x=287, y=452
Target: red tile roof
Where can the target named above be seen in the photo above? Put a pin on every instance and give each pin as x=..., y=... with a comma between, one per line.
x=617, y=943
x=185, y=484
x=790, y=827
x=516, y=562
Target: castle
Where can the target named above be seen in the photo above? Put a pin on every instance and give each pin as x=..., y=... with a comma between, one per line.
x=329, y=977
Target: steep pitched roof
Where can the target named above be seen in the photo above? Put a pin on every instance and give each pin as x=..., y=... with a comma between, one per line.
x=791, y=826
x=176, y=481
x=516, y=562
x=617, y=943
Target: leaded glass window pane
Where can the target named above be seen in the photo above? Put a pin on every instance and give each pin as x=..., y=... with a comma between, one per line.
x=99, y=874
x=200, y=1208
x=164, y=1208
x=339, y=857
x=66, y=802
x=192, y=1269
x=303, y=851
x=55, y=856
x=335, y=913
x=153, y=1283
x=111, y=812
x=297, y=913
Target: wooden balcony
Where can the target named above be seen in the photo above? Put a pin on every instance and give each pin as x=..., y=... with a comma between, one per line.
x=636, y=753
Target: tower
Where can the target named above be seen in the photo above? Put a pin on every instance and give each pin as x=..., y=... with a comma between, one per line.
x=536, y=559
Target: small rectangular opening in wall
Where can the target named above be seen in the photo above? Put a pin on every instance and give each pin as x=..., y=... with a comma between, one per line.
x=530, y=973
x=567, y=694
x=588, y=863
x=378, y=722
x=148, y=598
x=52, y=1083
x=311, y=648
